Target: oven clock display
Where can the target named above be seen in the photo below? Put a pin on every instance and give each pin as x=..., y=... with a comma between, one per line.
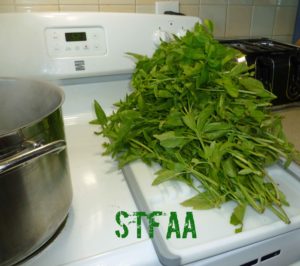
x=75, y=36
x=75, y=42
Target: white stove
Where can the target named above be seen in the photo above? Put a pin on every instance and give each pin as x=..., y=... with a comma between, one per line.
x=85, y=54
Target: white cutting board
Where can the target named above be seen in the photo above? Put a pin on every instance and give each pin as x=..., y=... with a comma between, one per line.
x=215, y=234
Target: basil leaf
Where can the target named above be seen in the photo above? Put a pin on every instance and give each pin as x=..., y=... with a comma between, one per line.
x=101, y=116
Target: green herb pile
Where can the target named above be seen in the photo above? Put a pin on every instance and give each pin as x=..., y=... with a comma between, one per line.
x=198, y=113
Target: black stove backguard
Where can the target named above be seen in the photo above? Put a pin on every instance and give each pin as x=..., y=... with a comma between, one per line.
x=277, y=66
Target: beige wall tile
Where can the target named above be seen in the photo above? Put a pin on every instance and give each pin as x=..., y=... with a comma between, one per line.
x=238, y=20
x=117, y=2
x=217, y=14
x=117, y=8
x=78, y=2
x=6, y=2
x=232, y=18
x=144, y=2
x=147, y=9
x=37, y=8
x=7, y=8
x=235, y=37
x=282, y=38
x=213, y=2
x=37, y=2
x=284, y=21
x=264, y=2
x=189, y=10
x=79, y=8
x=263, y=18
x=240, y=2
x=287, y=2
x=189, y=2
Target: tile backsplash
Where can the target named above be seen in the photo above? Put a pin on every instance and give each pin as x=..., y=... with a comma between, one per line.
x=232, y=18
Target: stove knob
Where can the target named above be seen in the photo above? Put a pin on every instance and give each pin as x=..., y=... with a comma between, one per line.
x=160, y=36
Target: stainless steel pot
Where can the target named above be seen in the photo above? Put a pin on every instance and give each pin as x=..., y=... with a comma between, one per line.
x=35, y=186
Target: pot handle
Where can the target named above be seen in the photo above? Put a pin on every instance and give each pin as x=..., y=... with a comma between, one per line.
x=37, y=152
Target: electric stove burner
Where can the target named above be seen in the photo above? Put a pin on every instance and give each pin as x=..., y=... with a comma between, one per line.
x=46, y=244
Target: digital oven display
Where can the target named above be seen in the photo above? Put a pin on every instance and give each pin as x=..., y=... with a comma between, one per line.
x=75, y=36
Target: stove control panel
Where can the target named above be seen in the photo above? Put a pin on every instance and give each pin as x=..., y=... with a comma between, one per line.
x=62, y=45
x=75, y=42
